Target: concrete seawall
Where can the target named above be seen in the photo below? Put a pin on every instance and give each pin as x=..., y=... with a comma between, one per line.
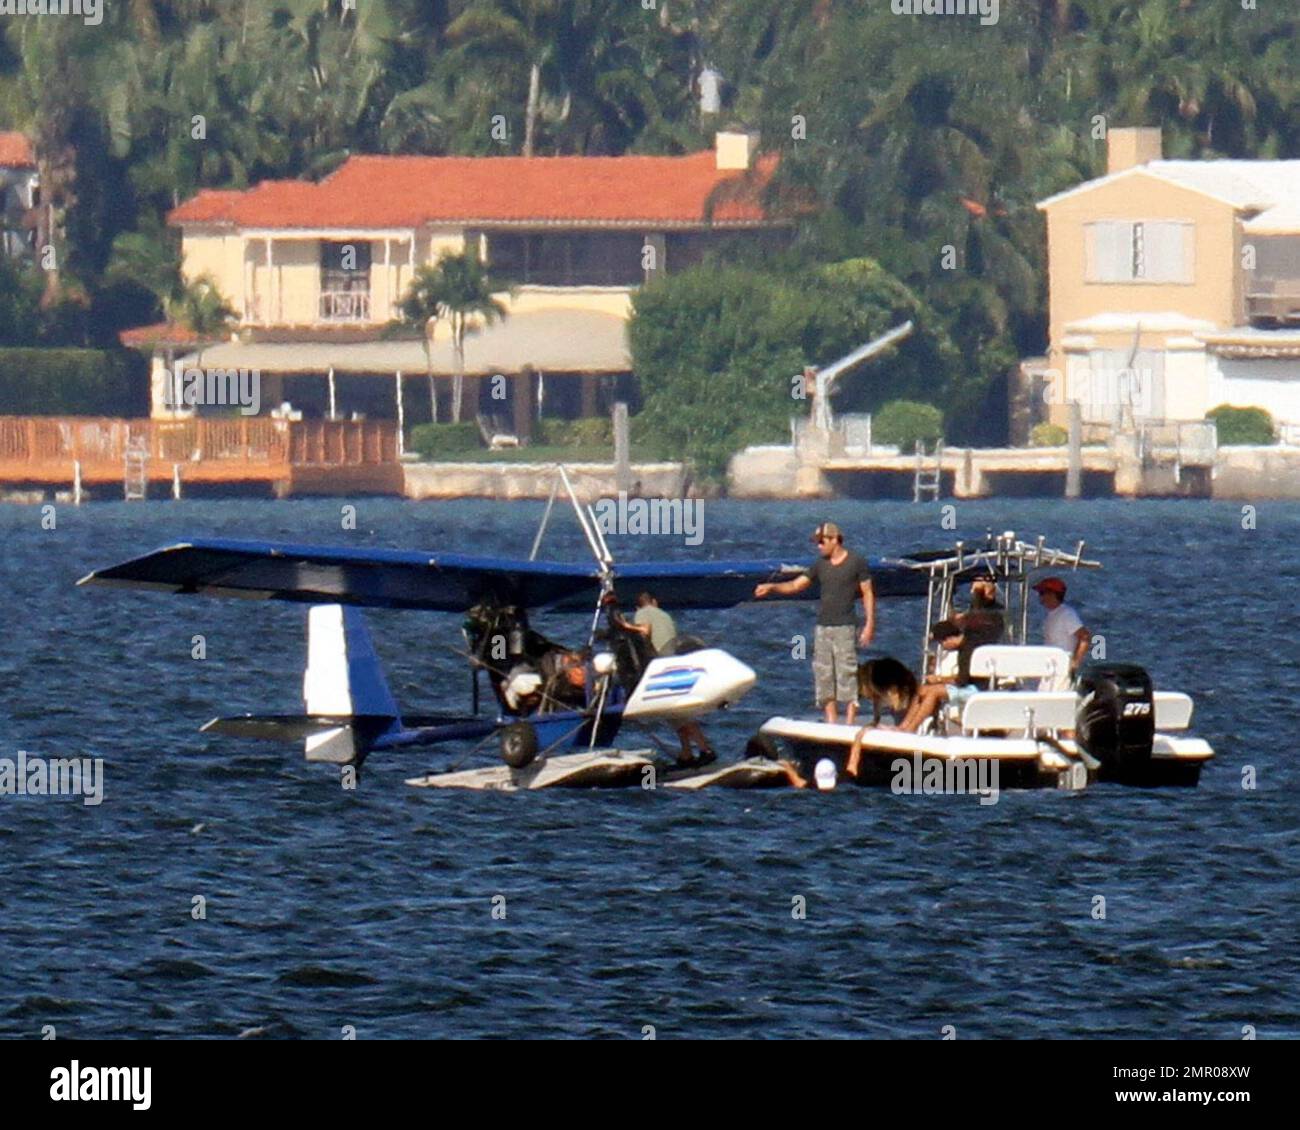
x=506, y=481
x=1121, y=471
x=1257, y=472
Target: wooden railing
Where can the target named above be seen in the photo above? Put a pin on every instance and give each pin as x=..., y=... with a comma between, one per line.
x=255, y=441
x=341, y=443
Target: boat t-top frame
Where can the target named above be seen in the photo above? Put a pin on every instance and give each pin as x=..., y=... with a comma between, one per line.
x=1008, y=559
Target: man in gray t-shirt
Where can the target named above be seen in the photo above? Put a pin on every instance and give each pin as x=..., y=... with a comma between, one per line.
x=843, y=578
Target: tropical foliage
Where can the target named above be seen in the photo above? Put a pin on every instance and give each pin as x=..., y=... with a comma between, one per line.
x=1248, y=426
x=924, y=142
x=906, y=424
x=459, y=290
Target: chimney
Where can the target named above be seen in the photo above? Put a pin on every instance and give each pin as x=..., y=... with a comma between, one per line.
x=1130, y=146
x=735, y=149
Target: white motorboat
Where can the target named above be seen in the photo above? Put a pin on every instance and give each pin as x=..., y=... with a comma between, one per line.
x=1111, y=723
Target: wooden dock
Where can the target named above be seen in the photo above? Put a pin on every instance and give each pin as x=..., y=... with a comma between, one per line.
x=286, y=457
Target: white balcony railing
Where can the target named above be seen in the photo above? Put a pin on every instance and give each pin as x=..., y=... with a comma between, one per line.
x=1273, y=300
x=345, y=306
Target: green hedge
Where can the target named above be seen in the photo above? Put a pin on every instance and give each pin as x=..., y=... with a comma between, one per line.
x=1248, y=426
x=73, y=382
x=432, y=441
x=907, y=422
x=1048, y=435
x=597, y=431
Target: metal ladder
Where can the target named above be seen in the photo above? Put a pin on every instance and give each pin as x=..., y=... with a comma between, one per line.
x=135, y=483
x=928, y=481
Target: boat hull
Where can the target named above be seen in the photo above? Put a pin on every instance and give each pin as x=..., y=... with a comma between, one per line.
x=889, y=756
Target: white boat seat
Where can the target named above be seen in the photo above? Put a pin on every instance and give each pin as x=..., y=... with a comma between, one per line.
x=1009, y=710
x=1054, y=710
x=1018, y=661
x=1173, y=710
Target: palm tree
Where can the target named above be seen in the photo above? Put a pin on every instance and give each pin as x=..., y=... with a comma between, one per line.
x=513, y=28
x=467, y=296
x=200, y=307
x=420, y=308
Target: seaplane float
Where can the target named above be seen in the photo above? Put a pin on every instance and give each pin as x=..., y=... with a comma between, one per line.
x=555, y=710
x=1026, y=722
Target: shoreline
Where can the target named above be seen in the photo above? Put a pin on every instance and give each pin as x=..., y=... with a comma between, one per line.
x=756, y=474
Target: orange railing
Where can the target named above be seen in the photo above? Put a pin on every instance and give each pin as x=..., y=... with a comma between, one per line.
x=252, y=440
x=341, y=443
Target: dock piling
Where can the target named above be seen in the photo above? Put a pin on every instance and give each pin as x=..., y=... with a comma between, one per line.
x=1074, y=465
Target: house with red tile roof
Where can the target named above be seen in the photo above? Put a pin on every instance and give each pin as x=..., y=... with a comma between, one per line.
x=18, y=194
x=316, y=271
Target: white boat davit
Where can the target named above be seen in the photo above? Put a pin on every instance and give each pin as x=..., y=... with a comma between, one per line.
x=1112, y=724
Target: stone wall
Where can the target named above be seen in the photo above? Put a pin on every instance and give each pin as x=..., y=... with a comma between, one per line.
x=1257, y=472
x=507, y=481
x=764, y=472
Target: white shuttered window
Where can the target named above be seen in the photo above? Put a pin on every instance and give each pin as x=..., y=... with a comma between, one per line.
x=1150, y=251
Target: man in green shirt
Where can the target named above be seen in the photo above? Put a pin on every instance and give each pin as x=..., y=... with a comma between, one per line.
x=657, y=626
x=652, y=621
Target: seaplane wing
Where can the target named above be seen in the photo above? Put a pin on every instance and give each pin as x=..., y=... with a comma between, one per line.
x=450, y=582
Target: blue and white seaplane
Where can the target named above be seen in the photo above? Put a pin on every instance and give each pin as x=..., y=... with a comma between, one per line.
x=548, y=698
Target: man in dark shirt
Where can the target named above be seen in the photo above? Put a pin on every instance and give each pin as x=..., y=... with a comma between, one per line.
x=843, y=577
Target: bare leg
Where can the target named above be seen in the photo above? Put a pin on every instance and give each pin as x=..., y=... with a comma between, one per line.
x=793, y=775
x=830, y=711
x=855, y=753
x=683, y=736
x=926, y=702
x=851, y=713
x=691, y=732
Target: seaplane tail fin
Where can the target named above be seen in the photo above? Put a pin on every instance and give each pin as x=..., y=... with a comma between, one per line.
x=344, y=681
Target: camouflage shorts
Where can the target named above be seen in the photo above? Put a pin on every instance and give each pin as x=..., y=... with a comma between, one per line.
x=835, y=663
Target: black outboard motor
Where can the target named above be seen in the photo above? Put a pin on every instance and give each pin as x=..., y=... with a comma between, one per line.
x=1115, y=718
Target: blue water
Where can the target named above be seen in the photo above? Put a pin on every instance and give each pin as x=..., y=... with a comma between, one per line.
x=624, y=909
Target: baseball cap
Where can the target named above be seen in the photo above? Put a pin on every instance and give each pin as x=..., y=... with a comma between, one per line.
x=825, y=774
x=828, y=530
x=1051, y=584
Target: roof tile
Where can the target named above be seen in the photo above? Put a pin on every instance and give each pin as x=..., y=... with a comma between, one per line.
x=387, y=192
x=16, y=152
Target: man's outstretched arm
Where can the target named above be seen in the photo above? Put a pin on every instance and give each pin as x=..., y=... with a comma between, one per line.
x=783, y=588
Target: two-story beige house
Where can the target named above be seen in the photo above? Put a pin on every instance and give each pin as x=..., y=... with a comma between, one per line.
x=316, y=271
x=1174, y=287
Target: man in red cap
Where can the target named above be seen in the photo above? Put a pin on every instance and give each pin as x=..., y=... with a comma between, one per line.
x=844, y=579
x=1062, y=628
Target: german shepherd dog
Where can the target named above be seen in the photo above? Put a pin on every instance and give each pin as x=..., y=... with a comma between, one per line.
x=886, y=682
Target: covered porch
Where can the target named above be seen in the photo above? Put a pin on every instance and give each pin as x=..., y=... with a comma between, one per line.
x=564, y=363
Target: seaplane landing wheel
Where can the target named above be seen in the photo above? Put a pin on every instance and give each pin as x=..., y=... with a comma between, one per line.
x=518, y=744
